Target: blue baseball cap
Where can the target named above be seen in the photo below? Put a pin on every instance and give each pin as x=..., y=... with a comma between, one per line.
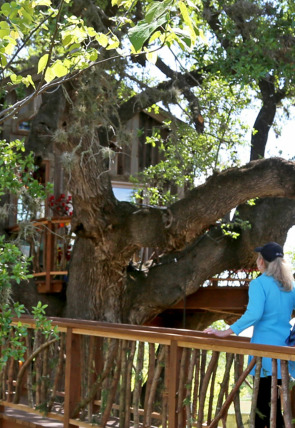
x=270, y=251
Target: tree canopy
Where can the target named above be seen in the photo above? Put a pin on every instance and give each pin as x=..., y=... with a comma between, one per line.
x=96, y=64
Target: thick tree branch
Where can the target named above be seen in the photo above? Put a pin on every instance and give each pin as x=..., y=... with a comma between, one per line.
x=164, y=90
x=181, y=273
x=206, y=204
x=265, y=118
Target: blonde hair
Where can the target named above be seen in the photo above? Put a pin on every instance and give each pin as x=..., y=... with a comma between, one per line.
x=281, y=271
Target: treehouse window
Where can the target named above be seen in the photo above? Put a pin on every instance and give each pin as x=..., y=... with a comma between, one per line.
x=24, y=127
x=123, y=194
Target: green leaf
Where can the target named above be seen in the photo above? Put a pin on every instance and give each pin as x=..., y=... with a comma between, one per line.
x=42, y=62
x=59, y=69
x=184, y=35
x=6, y=9
x=187, y=20
x=3, y=60
x=91, y=31
x=27, y=16
x=4, y=29
x=157, y=9
x=113, y=45
x=152, y=57
x=28, y=81
x=41, y=3
x=67, y=40
x=49, y=75
x=155, y=36
x=93, y=55
x=10, y=47
x=142, y=32
x=15, y=79
x=102, y=39
x=117, y=2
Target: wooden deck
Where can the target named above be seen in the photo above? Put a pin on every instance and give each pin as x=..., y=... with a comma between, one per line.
x=14, y=418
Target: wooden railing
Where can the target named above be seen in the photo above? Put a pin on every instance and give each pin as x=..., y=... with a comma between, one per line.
x=50, y=247
x=99, y=373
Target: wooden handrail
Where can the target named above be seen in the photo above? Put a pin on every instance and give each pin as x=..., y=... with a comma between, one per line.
x=52, y=273
x=184, y=338
x=177, y=340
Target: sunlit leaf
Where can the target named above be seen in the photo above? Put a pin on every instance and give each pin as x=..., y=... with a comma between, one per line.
x=67, y=40
x=4, y=29
x=28, y=17
x=59, y=69
x=28, y=81
x=49, y=75
x=10, y=47
x=42, y=62
x=91, y=31
x=41, y=3
x=152, y=57
x=187, y=20
x=15, y=79
x=113, y=45
x=102, y=39
x=93, y=56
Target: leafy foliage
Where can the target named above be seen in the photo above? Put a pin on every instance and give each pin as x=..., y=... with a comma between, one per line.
x=13, y=334
x=17, y=170
x=33, y=24
x=16, y=175
x=188, y=156
x=168, y=22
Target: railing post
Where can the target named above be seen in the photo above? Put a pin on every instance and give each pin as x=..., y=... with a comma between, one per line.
x=287, y=413
x=172, y=384
x=48, y=255
x=72, y=376
x=2, y=411
x=292, y=399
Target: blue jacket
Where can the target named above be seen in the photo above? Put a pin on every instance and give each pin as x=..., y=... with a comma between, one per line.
x=269, y=311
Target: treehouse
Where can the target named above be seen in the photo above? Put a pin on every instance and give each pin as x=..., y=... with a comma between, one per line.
x=50, y=240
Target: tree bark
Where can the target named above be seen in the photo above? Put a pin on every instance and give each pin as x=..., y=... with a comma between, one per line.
x=265, y=118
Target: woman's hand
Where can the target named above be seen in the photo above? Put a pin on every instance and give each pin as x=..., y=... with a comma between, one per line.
x=218, y=333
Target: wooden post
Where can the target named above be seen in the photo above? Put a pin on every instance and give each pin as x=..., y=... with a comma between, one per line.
x=2, y=411
x=292, y=398
x=48, y=257
x=285, y=396
x=172, y=382
x=72, y=376
x=274, y=394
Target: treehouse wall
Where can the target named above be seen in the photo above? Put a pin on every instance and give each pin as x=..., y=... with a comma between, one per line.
x=134, y=154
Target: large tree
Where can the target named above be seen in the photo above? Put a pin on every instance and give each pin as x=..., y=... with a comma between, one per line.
x=227, y=55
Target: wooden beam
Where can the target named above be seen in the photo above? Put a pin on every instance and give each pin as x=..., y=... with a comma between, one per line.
x=216, y=298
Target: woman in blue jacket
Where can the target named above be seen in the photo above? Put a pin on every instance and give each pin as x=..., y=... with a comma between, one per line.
x=269, y=310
